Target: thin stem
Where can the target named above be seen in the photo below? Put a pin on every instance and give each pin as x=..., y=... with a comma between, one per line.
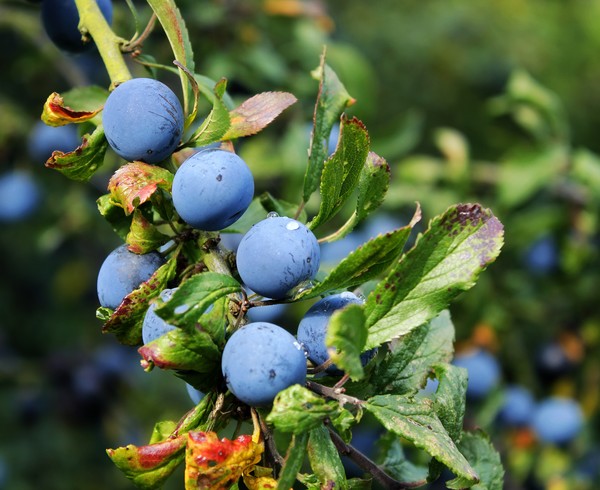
x=342, y=231
x=321, y=367
x=138, y=40
x=273, y=454
x=214, y=413
x=215, y=260
x=107, y=42
x=385, y=480
x=300, y=209
x=334, y=393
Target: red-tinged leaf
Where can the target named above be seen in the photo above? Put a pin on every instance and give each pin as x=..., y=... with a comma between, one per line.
x=81, y=163
x=126, y=320
x=134, y=183
x=148, y=466
x=256, y=113
x=216, y=464
x=56, y=113
x=143, y=237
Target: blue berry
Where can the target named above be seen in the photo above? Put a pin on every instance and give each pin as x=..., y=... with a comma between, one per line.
x=212, y=189
x=312, y=329
x=122, y=272
x=143, y=120
x=60, y=19
x=276, y=255
x=44, y=139
x=19, y=196
x=261, y=359
x=542, y=256
x=194, y=394
x=518, y=406
x=483, y=370
x=154, y=326
x=557, y=420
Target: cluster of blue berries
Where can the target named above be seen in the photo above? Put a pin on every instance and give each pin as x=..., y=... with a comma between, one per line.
x=554, y=420
x=143, y=121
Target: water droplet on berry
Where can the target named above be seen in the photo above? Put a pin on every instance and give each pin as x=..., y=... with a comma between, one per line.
x=272, y=214
x=293, y=225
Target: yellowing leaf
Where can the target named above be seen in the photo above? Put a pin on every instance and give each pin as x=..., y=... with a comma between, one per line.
x=216, y=464
x=262, y=479
x=148, y=466
x=257, y=112
x=56, y=113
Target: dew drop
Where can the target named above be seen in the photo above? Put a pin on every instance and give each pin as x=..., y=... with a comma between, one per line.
x=293, y=225
x=272, y=214
x=179, y=310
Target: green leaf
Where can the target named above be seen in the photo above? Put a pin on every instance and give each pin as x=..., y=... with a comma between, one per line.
x=194, y=296
x=480, y=452
x=406, y=368
x=445, y=261
x=395, y=462
x=143, y=237
x=345, y=339
x=359, y=484
x=126, y=321
x=134, y=183
x=207, y=88
x=535, y=108
x=88, y=98
x=341, y=172
x=450, y=397
x=372, y=185
x=415, y=420
x=344, y=421
x=81, y=163
x=174, y=26
x=120, y=222
x=525, y=173
x=297, y=409
x=332, y=99
x=183, y=350
x=325, y=460
x=216, y=124
x=293, y=461
x=367, y=262
x=162, y=430
x=256, y=113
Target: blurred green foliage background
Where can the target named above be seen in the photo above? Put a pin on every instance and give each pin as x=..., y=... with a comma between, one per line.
x=495, y=102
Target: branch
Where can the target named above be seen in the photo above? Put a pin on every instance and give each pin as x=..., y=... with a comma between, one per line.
x=272, y=454
x=334, y=393
x=108, y=43
x=385, y=480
